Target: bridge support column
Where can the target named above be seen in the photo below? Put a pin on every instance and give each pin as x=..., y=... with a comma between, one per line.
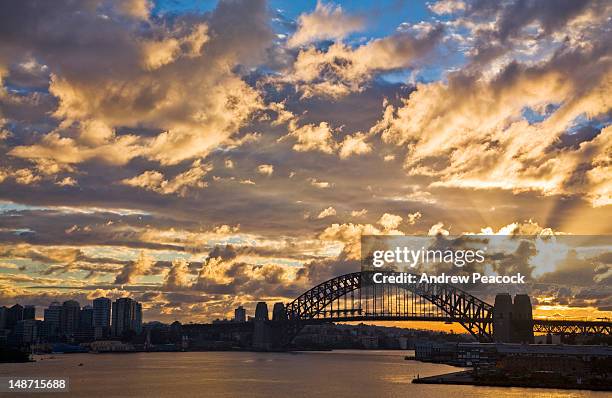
x=269, y=335
x=522, y=320
x=261, y=335
x=502, y=318
x=512, y=322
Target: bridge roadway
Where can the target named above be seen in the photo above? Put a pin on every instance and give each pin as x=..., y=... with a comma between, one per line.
x=540, y=326
x=552, y=326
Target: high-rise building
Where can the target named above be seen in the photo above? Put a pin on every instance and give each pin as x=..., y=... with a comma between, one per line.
x=102, y=312
x=101, y=317
x=27, y=331
x=29, y=312
x=14, y=315
x=85, y=332
x=137, y=324
x=70, y=318
x=240, y=314
x=53, y=319
x=127, y=316
x=3, y=316
x=86, y=317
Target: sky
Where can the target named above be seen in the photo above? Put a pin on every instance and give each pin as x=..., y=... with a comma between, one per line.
x=197, y=156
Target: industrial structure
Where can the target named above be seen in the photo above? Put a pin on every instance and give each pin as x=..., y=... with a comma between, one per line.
x=354, y=297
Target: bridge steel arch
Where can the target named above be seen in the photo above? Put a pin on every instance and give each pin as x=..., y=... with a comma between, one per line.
x=475, y=315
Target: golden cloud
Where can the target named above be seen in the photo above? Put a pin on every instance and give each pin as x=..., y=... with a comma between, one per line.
x=325, y=22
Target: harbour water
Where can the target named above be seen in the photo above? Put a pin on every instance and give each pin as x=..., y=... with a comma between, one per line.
x=341, y=373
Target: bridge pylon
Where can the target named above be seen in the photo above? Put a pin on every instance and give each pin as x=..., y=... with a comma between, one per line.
x=512, y=321
x=271, y=335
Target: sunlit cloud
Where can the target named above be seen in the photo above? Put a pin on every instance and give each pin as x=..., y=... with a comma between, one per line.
x=197, y=161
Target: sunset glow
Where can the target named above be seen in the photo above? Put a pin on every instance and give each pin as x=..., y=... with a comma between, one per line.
x=210, y=155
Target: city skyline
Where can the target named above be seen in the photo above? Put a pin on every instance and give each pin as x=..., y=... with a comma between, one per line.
x=69, y=322
x=202, y=156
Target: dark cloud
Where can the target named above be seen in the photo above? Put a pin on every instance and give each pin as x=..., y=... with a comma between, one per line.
x=95, y=93
x=512, y=20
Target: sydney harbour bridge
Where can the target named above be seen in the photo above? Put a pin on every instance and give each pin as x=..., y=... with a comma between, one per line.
x=355, y=297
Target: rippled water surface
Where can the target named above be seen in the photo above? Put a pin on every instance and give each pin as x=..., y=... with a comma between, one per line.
x=244, y=374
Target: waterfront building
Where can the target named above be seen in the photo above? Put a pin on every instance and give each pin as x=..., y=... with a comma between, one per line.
x=70, y=317
x=525, y=359
x=101, y=317
x=571, y=361
x=240, y=314
x=85, y=332
x=436, y=351
x=14, y=315
x=29, y=312
x=369, y=342
x=137, y=325
x=86, y=317
x=111, y=346
x=102, y=312
x=126, y=316
x=52, y=319
x=27, y=331
x=548, y=339
x=3, y=317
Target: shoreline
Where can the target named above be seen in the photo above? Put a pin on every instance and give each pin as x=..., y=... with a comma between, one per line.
x=466, y=378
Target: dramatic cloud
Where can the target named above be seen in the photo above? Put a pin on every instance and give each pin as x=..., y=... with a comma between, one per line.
x=179, y=83
x=340, y=69
x=483, y=141
x=155, y=181
x=311, y=137
x=197, y=159
x=354, y=145
x=447, y=6
x=134, y=269
x=178, y=277
x=325, y=22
